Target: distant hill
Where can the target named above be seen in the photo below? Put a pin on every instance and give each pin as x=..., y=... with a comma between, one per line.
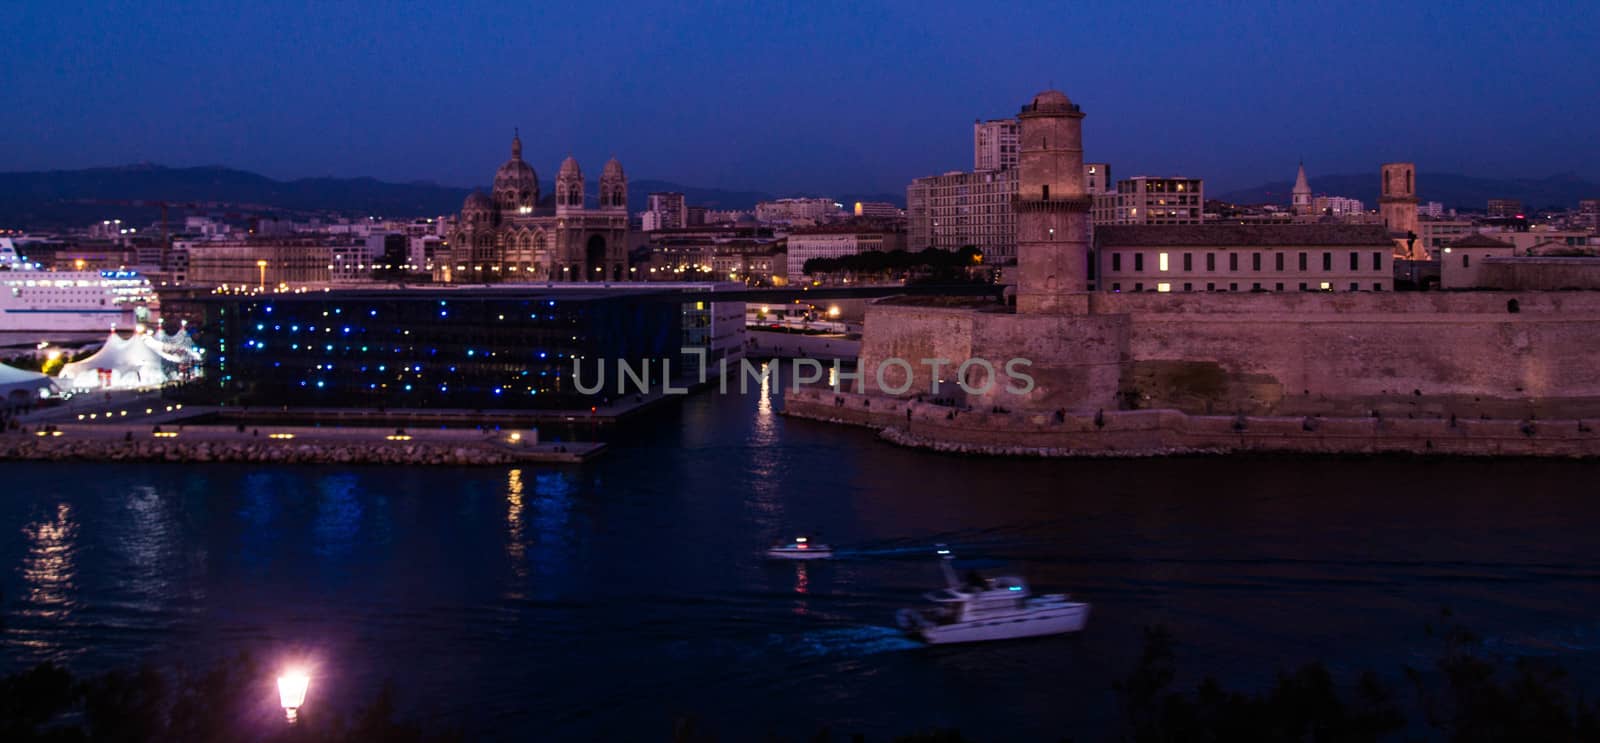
x=1454, y=191
x=63, y=198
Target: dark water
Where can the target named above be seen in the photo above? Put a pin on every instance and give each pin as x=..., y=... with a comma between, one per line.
x=599, y=603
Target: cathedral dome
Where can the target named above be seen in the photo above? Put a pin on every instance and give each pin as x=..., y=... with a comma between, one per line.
x=476, y=201
x=613, y=169
x=516, y=185
x=515, y=173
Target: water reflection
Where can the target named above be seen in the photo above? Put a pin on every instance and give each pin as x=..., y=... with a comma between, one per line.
x=49, y=570
x=801, y=587
x=765, y=460
x=338, y=517
x=258, y=511
x=516, y=530
x=552, y=527
x=149, y=539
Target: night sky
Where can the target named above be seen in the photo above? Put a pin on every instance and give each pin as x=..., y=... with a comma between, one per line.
x=797, y=97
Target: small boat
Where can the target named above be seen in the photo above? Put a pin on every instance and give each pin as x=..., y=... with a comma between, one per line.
x=989, y=608
x=802, y=548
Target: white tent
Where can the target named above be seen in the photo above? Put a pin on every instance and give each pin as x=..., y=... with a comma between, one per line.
x=122, y=363
x=21, y=387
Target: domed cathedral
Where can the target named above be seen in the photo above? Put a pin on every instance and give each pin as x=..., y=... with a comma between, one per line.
x=513, y=235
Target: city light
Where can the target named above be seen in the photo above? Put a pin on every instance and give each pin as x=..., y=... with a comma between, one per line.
x=292, y=686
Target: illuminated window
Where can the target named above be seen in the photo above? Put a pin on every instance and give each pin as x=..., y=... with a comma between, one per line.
x=1162, y=259
x=1325, y=286
x=1163, y=287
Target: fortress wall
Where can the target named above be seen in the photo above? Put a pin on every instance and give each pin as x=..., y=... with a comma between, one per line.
x=1430, y=353
x=1299, y=353
x=1157, y=432
x=1550, y=273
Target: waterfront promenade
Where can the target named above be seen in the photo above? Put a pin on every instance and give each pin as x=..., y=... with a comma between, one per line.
x=176, y=442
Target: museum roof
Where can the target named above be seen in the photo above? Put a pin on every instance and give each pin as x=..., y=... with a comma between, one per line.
x=1231, y=235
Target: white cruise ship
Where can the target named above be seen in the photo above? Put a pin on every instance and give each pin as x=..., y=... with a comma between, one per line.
x=32, y=299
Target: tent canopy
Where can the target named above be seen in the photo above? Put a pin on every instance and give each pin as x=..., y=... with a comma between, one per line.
x=14, y=380
x=129, y=362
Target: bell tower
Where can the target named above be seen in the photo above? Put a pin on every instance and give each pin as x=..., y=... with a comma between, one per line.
x=1398, y=199
x=1052, y=207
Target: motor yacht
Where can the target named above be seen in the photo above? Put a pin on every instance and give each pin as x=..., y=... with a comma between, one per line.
x=802, y=548
x=983, y=608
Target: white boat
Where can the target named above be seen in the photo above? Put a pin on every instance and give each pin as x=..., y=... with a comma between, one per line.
x=983, y=608
x=802, y=548
x=33, y=299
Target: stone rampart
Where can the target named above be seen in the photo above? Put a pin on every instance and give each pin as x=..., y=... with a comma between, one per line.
x=1161, y=432
x=1500, y=354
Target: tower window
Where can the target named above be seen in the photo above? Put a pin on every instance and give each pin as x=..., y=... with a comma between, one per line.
x=1211, y=261
x=1046, y=188
x=1277, y=260
x=1116, y=261
x=1377, y=261
x=1188, y=261
x=1327, y=261
x=1138, y=261
x=1233, y=261
x=1255, y=261
x=1355, y=261
x=1302, y=263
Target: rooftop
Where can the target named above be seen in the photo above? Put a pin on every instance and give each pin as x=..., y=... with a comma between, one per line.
x=1227, y=235
x=1478, y=240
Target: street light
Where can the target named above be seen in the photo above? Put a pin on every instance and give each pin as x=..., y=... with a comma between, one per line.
x=292, y=692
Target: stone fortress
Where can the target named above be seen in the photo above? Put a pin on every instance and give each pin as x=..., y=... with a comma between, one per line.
x=1161, y=370
x=515, y=236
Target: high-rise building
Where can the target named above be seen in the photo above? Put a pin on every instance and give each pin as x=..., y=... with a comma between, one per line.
x=1589, y=212
x=1149, y=200
x=838, y=240
x=958, y=209
x=669, y=210
x=1431, y=210
x=1337, y=206
x=1505, y=208
x=1397, y=201
x=955, y=210
x=994, y=144
x=1052, y=205
x=797, y=211
x=1097, y=178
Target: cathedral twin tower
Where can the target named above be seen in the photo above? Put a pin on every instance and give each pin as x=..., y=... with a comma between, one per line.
x=515, y=235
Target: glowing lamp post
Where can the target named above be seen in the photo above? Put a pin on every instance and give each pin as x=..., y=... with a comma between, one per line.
x=262, y=266
x=292, y=692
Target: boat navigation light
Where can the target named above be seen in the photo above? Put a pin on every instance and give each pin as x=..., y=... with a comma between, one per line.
x=801, y=540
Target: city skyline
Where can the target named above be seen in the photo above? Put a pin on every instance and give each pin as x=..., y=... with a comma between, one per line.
x=793, y=99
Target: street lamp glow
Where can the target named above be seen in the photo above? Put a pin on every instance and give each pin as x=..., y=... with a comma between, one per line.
x=292, y=692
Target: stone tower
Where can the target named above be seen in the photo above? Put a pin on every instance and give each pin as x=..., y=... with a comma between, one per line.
x=1052, y=207
x=613, y=187
x=569, y=187
x=1301, y=196
x=1398, y=199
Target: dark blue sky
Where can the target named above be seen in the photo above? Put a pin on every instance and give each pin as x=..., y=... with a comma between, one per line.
x=793, y=97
